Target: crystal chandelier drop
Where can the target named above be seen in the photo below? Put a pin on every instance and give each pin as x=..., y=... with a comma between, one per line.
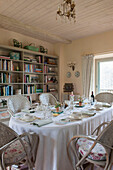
x=67, y=10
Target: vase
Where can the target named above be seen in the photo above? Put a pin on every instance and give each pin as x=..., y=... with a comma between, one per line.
x=80, y=103
x=57, y=109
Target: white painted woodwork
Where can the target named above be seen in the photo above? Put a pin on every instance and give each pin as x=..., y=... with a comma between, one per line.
x=37, y=18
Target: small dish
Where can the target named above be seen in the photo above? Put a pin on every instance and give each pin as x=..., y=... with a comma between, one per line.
x=54, y=111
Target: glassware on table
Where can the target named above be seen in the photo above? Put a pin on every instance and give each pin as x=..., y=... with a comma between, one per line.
x=63, y=106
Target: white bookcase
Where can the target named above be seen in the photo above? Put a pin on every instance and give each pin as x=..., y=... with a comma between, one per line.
x=32, y=74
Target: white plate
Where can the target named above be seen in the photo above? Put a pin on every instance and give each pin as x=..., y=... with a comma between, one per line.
x=97, y=109
x=61, y=121
x=27, y=119
x=74, y=118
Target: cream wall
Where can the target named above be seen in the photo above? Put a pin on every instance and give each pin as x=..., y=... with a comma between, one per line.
x=101, y=43
x=6, y=38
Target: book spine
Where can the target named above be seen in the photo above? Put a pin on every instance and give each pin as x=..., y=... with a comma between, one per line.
x=11, y=90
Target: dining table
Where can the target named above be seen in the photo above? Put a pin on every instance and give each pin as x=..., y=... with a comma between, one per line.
x=54, y=136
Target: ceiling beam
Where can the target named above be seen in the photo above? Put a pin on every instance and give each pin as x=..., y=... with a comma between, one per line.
x=16, y=26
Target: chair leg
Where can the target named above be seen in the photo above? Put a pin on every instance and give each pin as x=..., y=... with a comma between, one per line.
x=9, y=168
x=109, y=167
x=92, y=166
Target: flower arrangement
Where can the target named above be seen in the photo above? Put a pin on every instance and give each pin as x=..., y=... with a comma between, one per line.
x=57, y=105
x=80, y=101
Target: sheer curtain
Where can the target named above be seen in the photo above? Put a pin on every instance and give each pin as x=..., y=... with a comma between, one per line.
x=87, y=75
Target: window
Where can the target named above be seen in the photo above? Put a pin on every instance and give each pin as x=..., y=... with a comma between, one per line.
x=104, y=75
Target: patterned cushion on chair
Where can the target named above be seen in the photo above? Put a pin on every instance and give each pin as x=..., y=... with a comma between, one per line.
x=97, y=153
x=15, y=152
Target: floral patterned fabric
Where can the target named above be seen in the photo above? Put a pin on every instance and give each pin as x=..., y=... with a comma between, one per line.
x=97, y=153
x=15, y=152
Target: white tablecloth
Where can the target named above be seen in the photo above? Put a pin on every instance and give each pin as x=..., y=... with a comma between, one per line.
x=52, y=153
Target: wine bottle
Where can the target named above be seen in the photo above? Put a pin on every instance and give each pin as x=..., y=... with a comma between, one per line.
x=92, y=98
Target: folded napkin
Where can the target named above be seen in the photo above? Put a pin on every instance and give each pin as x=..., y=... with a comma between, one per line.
x=40, y=123
x=101, y=104
x=88, y=114
x=28, y=111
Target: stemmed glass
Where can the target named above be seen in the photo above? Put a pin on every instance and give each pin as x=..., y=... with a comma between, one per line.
x=63, y=106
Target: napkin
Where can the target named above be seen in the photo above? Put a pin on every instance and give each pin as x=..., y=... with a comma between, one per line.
x=88, y=114
x=40, y=123
x=28, y=111
x=101, y=104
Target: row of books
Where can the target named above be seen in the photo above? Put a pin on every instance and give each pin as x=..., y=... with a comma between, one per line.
x=46, y=89
x=31, y=68
x=6, y=65
x=50, y=61
x=6, y=90
x=4, y=57
x=39, y=59
x=31, y=79
x=38, y=70
x=30, y=89
x=5, y=78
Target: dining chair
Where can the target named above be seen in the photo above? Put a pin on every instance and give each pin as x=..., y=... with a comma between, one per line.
x=104, y=97
x=17, y=103
x=95, y=149
x=47, y=98
x=14, y=149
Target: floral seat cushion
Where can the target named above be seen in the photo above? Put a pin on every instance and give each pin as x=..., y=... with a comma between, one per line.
x=97, y=153
x=15, y=152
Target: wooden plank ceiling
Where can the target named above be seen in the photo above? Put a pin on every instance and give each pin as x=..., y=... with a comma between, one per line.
x=37, y=18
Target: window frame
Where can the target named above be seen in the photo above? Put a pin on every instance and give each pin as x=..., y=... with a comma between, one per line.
x=97, y=71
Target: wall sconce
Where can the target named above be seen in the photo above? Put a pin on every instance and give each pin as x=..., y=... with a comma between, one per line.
x=72, y=65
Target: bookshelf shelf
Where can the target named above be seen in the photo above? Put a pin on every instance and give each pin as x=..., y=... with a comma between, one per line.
x=51, y=74
x=10, y=83
x=27, y=70
x=51, y=65
x=17, y=72
x=32, y=73
x=33, y=63
x=33, y=83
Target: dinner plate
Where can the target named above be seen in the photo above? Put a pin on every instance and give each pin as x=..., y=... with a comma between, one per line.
x=97, y=109
x=61, y=122
x=74, y=118
x=23, y=119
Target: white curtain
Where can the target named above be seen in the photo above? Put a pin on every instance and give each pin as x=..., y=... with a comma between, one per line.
x=87, y=75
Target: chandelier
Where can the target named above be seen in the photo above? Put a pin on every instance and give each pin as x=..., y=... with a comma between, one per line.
x=67, y=10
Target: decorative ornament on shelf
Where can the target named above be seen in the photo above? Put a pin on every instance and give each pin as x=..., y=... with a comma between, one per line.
x=72, y=65
x=66, y=10
x=16, y=43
